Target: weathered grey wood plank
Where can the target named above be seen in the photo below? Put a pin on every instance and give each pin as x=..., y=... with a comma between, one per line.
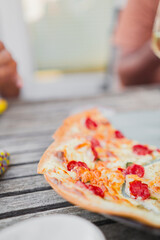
x=28, y=127
x=93, y=217
x=25, y=144
x=121, y=232
x=30, y=134
x=22, y=185
x=28, y=201
x=27, y=157
x=20, y=171
x=45, y=115
x=134, y=95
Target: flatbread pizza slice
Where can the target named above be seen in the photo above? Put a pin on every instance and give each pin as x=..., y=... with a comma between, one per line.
x=93, y=165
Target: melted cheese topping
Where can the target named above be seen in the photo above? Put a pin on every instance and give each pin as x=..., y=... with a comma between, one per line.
x=113, y=153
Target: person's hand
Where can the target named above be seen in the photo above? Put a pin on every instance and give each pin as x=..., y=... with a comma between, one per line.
x=10, y=81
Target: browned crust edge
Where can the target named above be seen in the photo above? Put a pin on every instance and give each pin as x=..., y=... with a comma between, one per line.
x=74, y=198
x=45, y=157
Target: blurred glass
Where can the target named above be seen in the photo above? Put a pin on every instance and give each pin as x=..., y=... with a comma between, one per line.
x=156, y=34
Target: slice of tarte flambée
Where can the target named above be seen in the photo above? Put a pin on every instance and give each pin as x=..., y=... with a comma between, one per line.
x=93, y=165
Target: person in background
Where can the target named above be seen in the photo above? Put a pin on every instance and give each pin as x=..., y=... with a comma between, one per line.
x=10, y=81
x=119, y=5
x=136, y=62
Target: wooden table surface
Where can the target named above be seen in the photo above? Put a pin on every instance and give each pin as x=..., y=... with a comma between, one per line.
x=25, y=131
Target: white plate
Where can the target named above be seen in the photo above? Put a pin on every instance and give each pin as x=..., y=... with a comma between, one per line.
x=57, y=227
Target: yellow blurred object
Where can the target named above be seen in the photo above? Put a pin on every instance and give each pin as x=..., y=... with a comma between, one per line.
x=3, y=105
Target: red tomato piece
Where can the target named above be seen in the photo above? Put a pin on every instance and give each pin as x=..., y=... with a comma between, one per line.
x=96, y=190
x=95, y=143
x=141, y=150
x=94, y=153
x=158, y=150
x=74, y=164
x=139, y=189
x=118, y=134
x=71, y=165
x=82, y=164
x=122, y=170
x=90, y=124
x=135, y=169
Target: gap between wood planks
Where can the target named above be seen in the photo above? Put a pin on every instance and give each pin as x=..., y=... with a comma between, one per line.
x=12, y=178
x=20, y=171
x=72, y=210
x=21, y=192
x=24, y=209
x=24, y=163
x=47, y=208
x=34, y=210
x=23, y=184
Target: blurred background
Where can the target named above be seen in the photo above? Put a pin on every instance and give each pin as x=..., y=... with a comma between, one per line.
x=63, y=47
